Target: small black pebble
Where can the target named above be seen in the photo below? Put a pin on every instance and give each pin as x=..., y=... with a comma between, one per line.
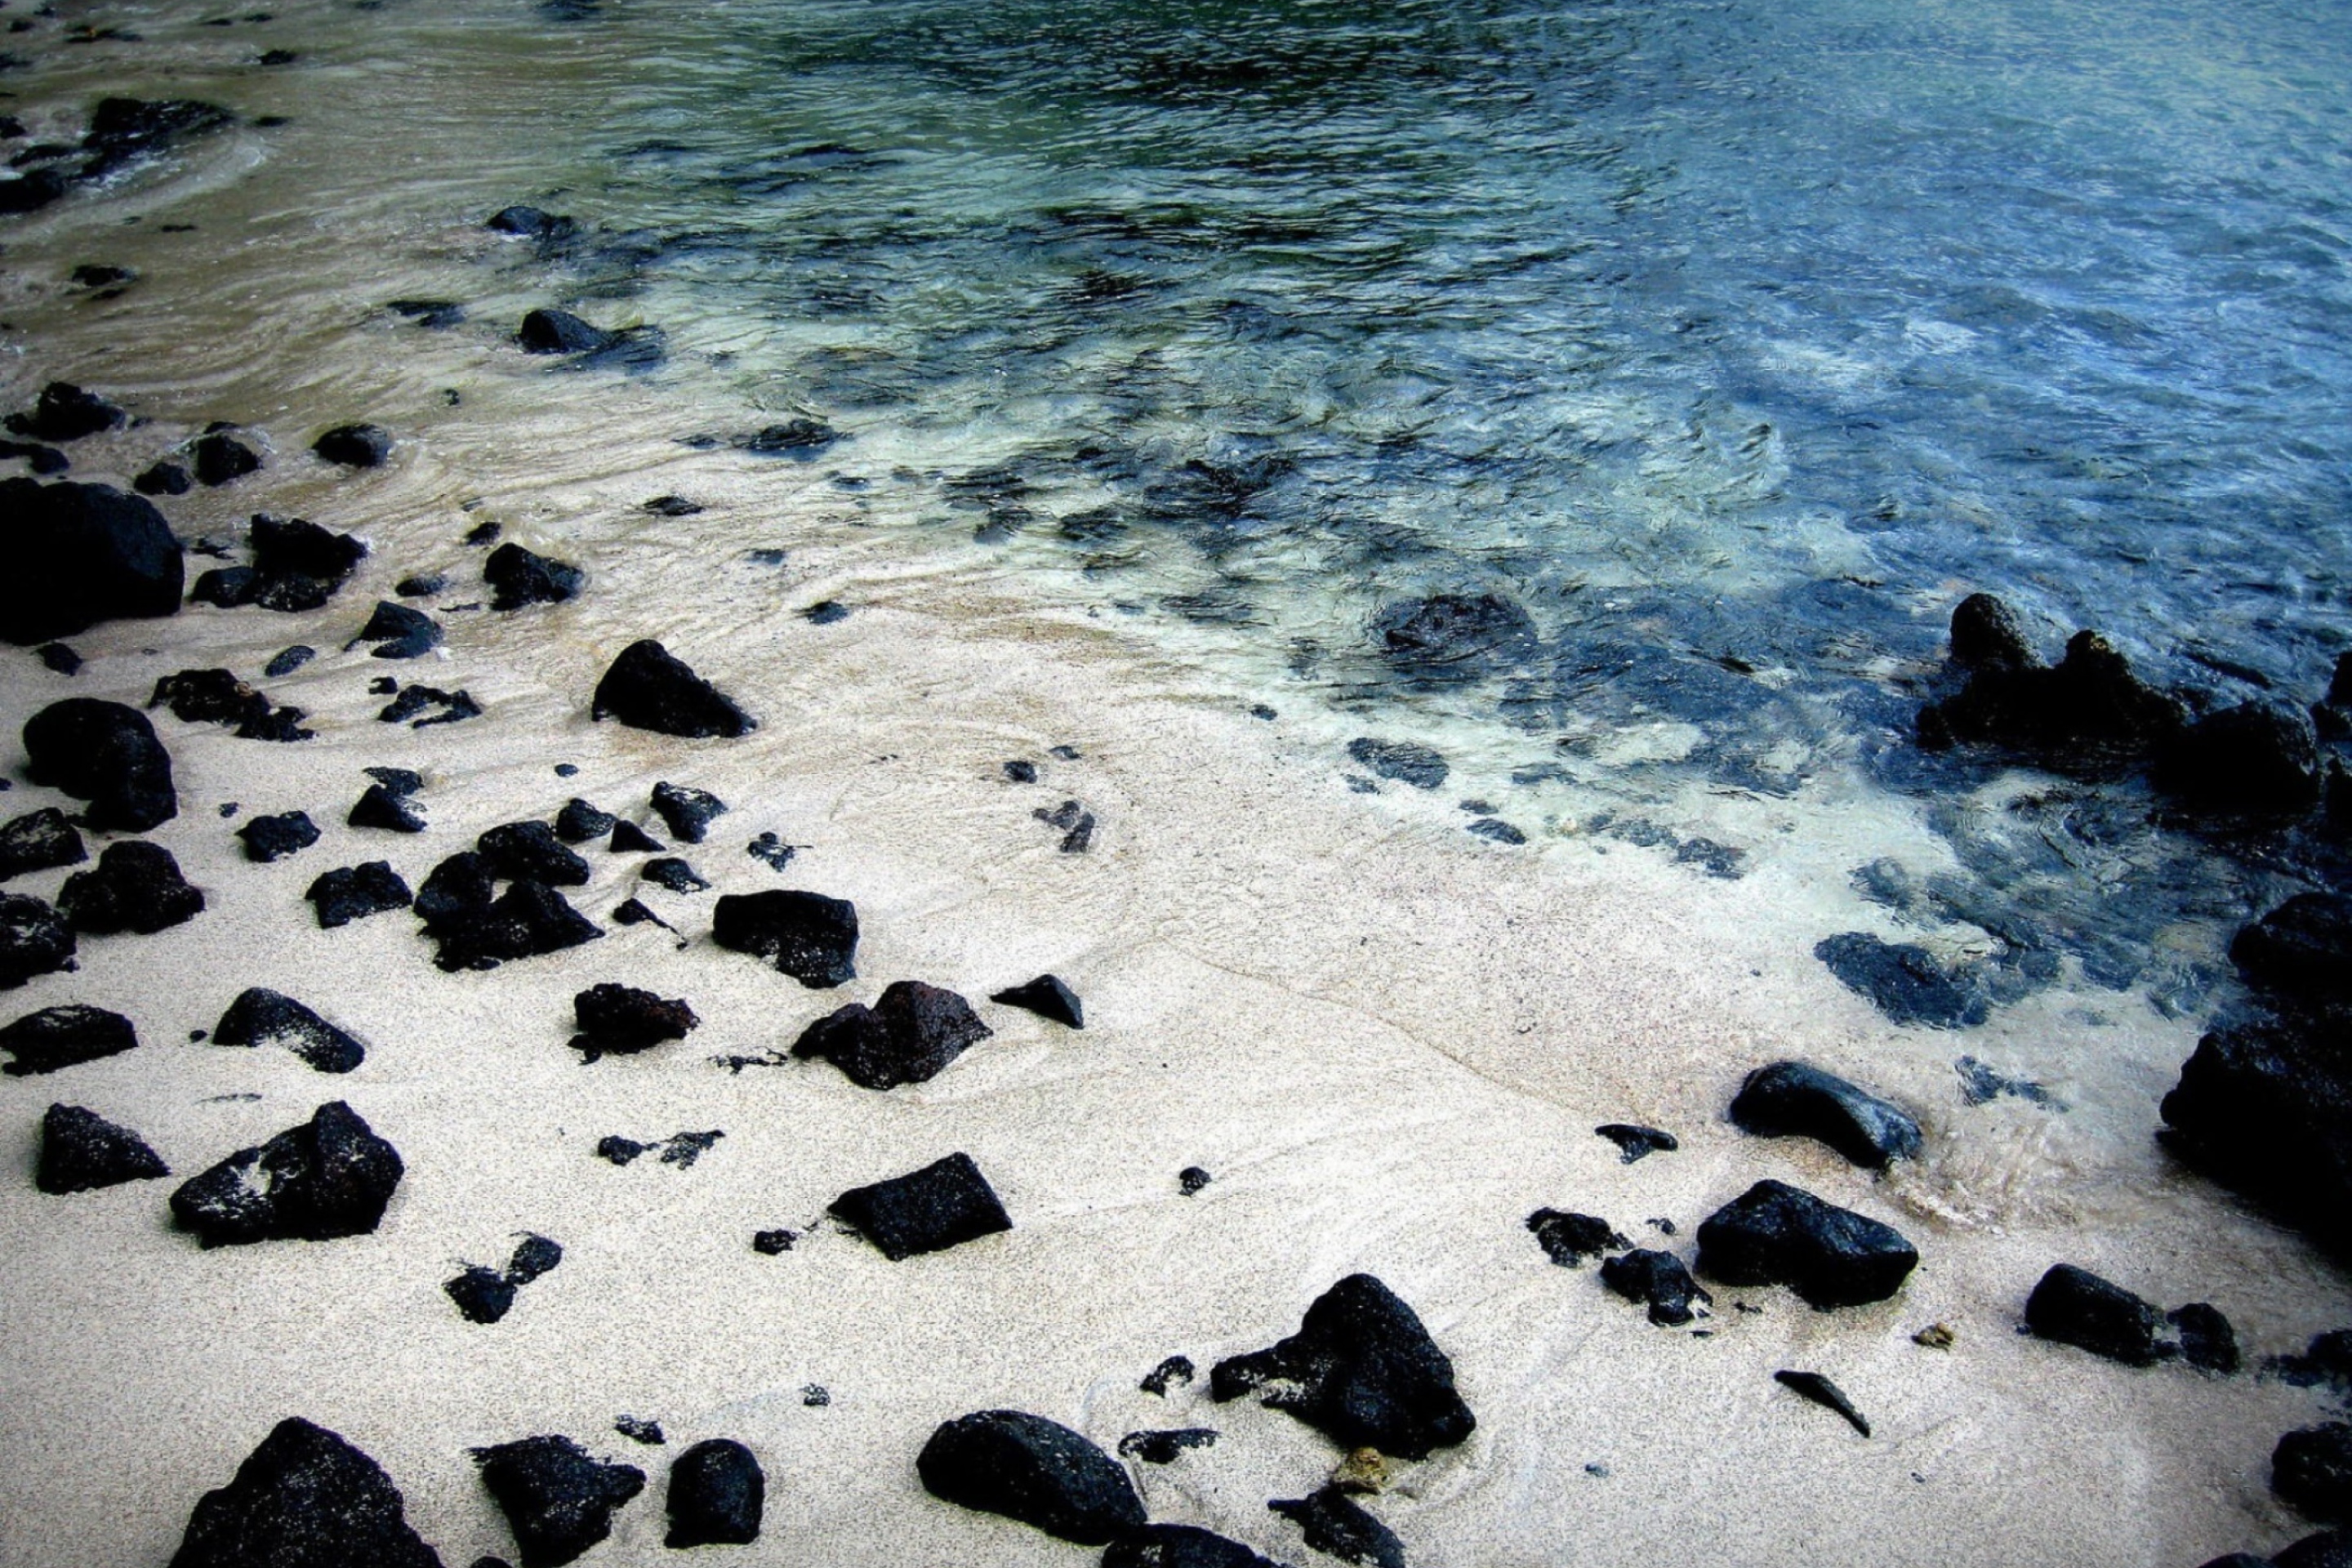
x=672, y=506
x=1020, y=772
x=1191, y=1180
x=815, y=1397
x=1662, y=1227
x=382, y=686
x=1260, y=710
x=286, y=661
x=483, y=533
x=639, y=1431
x=826, y=611
x=422, y=585
x=770, y=1242
x=566, y=769
x=1175, y=1370
x=196, y=1035
x=1067, y=753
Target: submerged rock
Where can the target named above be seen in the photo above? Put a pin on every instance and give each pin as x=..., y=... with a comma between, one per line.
x=107, y=754
x=1032, y=1469
x=1337, y=1526
x=65, y=1036
x=717, y=1495
x=125, y=129
x=530, y=223
x=2090, y=709
x=353, y=892
x=943, y=1204
x=81, y=1151
x=64, y=412
x=1568, y=1239
x=82, y=555
x=1048, y=998
x=521, y=577
x=647, y=688
x=1793, y=1099
x=686, y=812
x=546, y=332
x=135, y=886
x=1179, y=1546
x=1657, y=1280
x=39, y=840
x=2258, y=759
x=908, y=1036
x=1903, y=981
x=620, y=1020
x=808, y=936
x=1361, y=1370
x=1636, y=1142
x=354, y=446
x=1403, y=761
x=260, y=1017
x=1454, y=635
x=1774, y=1234
x=330, y=1177
x=558, y=1501
x=304, y=1499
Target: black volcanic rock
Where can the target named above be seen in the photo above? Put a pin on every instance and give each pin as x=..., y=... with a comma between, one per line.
x=1636, y=1142
x=2311, y=1471
x=164, y=477
x=673, y=874
x=1456, y=636
x=1903, y=981
x=1821, y=1391
x=1337, y=1526
x=1774, y=1234
x=80, y=554
x=717, y=1495
x=107, y=754
x=1161, y=1446
x=354, y=446
x=125, y=129
x=2090, y=709
x=218, y=457
x=648, y=689
x=808, y=936
x=352, y=892
x=388, y=810
x=2300, y=953
x=686, y=812
x=1032, y=1469
x=296, y=565
x=64, y=412
x=523, y=578
x=135, y=886
x=579, y=822
x=2075, y=1306
x=528, y=919
x=2265, y=1107
x=1657, y=1280
x=304, y=1499
x=2259, y=759
x=274, y=837
x=34, y=939
x=398, y=632
x=487, y=1295
x=628, y=838
x=1793, y=1099
x=908, y=1036
x=621, y=1020
x=1403, y=761
x=1988, y=635
x=65, y=1036
x=530, y=849
x=943, y=1204
x=546, y=332
x=81, y=1151
x=39, y=841
x=1568, y=1239
x=218, y=697
x=1361, y=1370
x=330, y=1177
x=1179, y=1546
x=2328, y=1549
x=260, y=1017
x=558, y=1501
x=530, y=223
x=1048, y=998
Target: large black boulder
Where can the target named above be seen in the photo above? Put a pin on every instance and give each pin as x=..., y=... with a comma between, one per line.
x=2258, y=759
x=2088, y=711
x=622, y=1020
x=34, y=939
x=330, y=1177
x=516, y=851
x=65, y=1036
x=1793, y=1099
x=2076, y=1307
x=558, y=1501
x=716, y=1494
x=304, y=1499
x=39, y=841
x=2300, y=953
x=1036, y=1470
x=134, y=887
x=648, y=688
x=1361, y=1370
x=520, y=577
x=945, y=1204
x=2328, y=1549
x=260, y=1017
x=107, y=754
x=81, y=1151
x=808, y=936
x=66, y=413
x=2265, y=1107
x=1453, y=635
x=908, y=1036
x=79, y=554
x=2311, y=1471
x=1774, y=1234
x=1988, y=635
x=1903, y=981
x=1337, y=1526
x=1179, y=1546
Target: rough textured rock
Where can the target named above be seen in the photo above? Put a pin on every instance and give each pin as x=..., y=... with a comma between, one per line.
x=1636, y=1142
x=122, y=130
x=1403, y=761
x=353, y=892
x=218, y=697
x=134, y=887
x=1179, y=1546
x=385, y=809
x=2258, y=759
x=717, y=1495
x=1337, y=1526
x=1032, y=1469
x=2300, y=953
x=628, y=838
x=65, y=1036
x=34, y=939
x=80, y=554
x=164, y=477
x=275, y=837
x=521, y=578
x=808, y=936
x=81, y=1151
x=1456, y=636
x=648, y=689
x=218, y=457
x=2328, y=1549
x=579, y=822
x=526, y=920
x=944, y=1204
x=304, y=1499
x=107, y=754
x=64, y=412
x=558, y=1501
x=2265, y=1107
x=398, y=632
x=2311, y=1471
x=297, y=567
x=2090, y=709
x=620, y=1020
x=330, y=1177
x=673, y=874
x=1048, y=998
x=1175, y=1372
x=1793, y=1099
x=1988, y=635
x=260, y=1017
x=39, y=840
x=355, y=445
x=1657, y=1280
x=1568, y=1239
x=1361, y=1370
x=909, y=1035
x=516, y=851
x=686, y=812
x=487, y=1295
x=1774, y=1234
x=1903, y=981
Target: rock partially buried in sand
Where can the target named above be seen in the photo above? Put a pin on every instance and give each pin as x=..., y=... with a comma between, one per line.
x=520, y=577
x=304, y=1499
x=135, y=886
x=107, y=754
x=1793, y=1099
x=1179, y=1546
x=260, y=1017
x=330, y=1177
x=1162, y=1446
x=558, y=1501
x=65, y=1036
x=579, y=822
x=353, y=892
x=81, y=1151
x=1048, y=998
x=2075, y=1306
x=1774, y=1234
x=621, y=1020
x=1657, y=1280
x=34, y=939
x=1032, y=1469
x=80, y=554
x=649, y=689
x=2311, y=1471
x=908, y=1037
x=944, y=1204
x=39, y=840
x=1814, y=1387
x=1361, y=1370
x=808, y=936
x=717, y=1495
x=1568, y=1239
x=354, y=446
x=1337, y=1526
x=218, y=697
x=1636, y=1142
